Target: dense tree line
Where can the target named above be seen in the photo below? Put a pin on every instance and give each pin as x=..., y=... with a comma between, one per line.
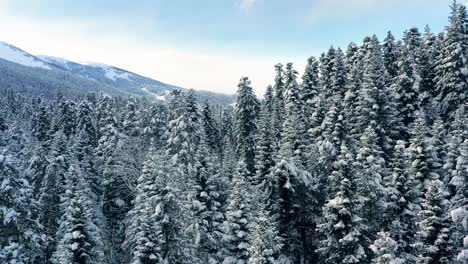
x=365, y=160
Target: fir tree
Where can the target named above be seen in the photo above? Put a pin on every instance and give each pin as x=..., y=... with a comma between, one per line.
x=343, y=230
x=452, y=66
x=247, y=107
x=79, y=237
x=238, y=217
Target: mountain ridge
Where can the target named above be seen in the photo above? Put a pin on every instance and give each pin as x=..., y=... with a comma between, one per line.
x=113, y=78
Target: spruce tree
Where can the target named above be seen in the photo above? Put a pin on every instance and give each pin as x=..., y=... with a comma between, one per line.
x=79, y=237
x=238, y=217
x=343, y=231
x=452, y=66
x=247, y=107
x=433, y=242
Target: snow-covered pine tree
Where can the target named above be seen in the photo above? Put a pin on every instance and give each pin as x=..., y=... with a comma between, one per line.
x=459, y=204
x=266, y=243
x=402, y=202
x=452, y=66
x=184, y=132
x=79, y=239
x=310, y=87
x=384, y=249
x=22, y=240
x=211, y=129
x=238, y=219
x=52, y=188
x=407, y=82
x=433, y=241
x=278, y=105
x=373, y=100
x=343, y=231
x=247, y=108
x=206, y=216
x=354, y=79
x=391, y=55
x=265, y=147
x=370, y=169
x=427, y=63
x=154, y=228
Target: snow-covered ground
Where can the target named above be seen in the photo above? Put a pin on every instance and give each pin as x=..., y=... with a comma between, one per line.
x=13, y=54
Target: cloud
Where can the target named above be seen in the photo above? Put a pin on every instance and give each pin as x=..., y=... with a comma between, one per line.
x=246, y=5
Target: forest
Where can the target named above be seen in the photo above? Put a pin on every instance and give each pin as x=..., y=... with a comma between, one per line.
x=361, y=159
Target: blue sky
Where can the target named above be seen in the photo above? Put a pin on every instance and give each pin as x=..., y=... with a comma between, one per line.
x=206, y=44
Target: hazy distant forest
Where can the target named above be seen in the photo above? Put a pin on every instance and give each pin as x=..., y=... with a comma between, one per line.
x=362, y=159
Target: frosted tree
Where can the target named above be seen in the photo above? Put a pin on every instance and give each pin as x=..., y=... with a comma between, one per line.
x=265, y=147
x=266, y=243
x=391, y=55
x=79, y=237
x=459, y=212
x=206, y=216
x=278, y=104
x=238, y=218
x=452, y=66
x=22, y=239
x=52, y=188
x=402, y=202
x=246, y=113
x=370, y=170
x=433, y=241
x=343, y=232
x=184, y=132
x=153, y=234
x=384, y=248
x=310, y=86
x=407, y=83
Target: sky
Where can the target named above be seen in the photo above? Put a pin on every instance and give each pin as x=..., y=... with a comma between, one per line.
x=206, y=44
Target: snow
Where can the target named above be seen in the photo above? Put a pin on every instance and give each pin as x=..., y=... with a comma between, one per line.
x=156, y=96
x=54, y=60
x=110, y=72
x=76, y=234
x=16, y=55
x=460, y=215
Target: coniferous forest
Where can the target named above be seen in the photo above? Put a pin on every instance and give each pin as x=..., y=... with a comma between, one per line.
x=361, y=159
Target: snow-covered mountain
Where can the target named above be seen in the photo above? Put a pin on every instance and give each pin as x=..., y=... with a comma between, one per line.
x=94, y=74
x=14, y=54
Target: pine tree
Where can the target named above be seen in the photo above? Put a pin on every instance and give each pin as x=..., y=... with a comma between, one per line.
x=343, y=230
x=452, y=66
x=384, y=248
x=205, y=228
x=52, y=188
x=390, y=55
x=402, y=202
x=278, y=105
x=265, y=148
x=433, y=242
x=153, y=234
x=238, y=217
x=266, y=243
x=22, y=239
x=407, y=82
x=370, y=170
x=247, y=107
x=310, y=86
x=79, y=237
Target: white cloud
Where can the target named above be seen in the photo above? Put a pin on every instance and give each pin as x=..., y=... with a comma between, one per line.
x=190, y=68
x=246, y=5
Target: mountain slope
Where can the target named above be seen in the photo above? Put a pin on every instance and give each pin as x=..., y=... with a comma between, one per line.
x=14, y=54
x=75, y=78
